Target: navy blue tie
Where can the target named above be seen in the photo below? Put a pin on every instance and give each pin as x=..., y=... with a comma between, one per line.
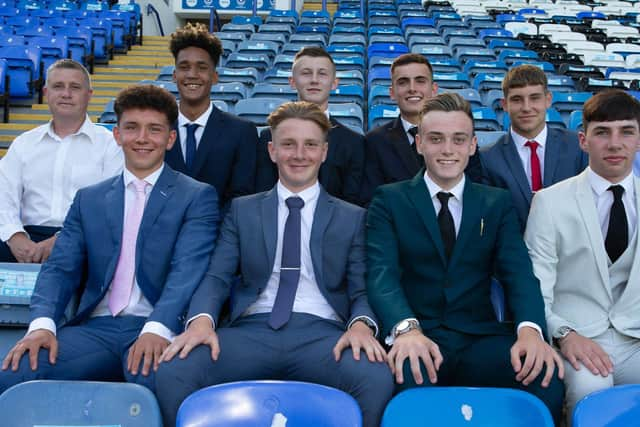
x=190, y=155
x=289, y=266
x=618, y=231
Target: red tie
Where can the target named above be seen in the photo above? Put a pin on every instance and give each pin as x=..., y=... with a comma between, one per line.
x=536, y=176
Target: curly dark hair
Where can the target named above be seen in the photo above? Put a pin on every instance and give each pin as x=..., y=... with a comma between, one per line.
x=196, y=35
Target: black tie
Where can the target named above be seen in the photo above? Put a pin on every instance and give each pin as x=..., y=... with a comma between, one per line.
x=190, y=155
x=289, y=265
x=413, y=131
x=445, y=221
x=618, y=231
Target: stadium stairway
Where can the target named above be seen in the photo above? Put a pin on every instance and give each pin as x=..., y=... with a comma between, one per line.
x=140, y=63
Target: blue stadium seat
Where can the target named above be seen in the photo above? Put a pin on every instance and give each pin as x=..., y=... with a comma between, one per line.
x=457, y=42
x=353, y=62
x=52, y=49
x=340, y=50
x=379, y=76
x=283, y=62
x=249, y=76
x=274, y=28
x=510, y=56
x=485, y=119
x=567, y=102
x=270, y=48
x=255, y=403
x=380, y=114
x=612, y=407
x=270, y=90
x=309, y=39
x=347, y=30
x=452, y=80
x=380, y=62
x=575, y=120
x=484, y=82
x=23, y=73
x=508, y=17
x=108, y=115
x=473, y=67
x=349, y=77
x=466, y=407
x=445, y=65
x=464, y=54
x=4, y=90
x=348, y=40
x=348, y=94
x=379, y=95
x=259, y=61
x=486, y=139
x=80, y=45
x=349, y=114
x=254, y=20
x=257, y=109
x=558, y=83
x=101, y=30
x=246, y=29
x=386, y=49
x=230, y=92
x=277, y=76
x=470, y=95
x=433, y=51
x=79, y=403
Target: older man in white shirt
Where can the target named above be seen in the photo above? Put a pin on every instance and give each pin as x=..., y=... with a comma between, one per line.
x=44, y=167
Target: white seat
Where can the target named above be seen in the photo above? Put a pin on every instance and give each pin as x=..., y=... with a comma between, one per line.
x=604, y=23
x=632, y=61
x=553, y=28
x=521, y=28
x=573, y=9
x=621, y=31
x=565, y=37
x=603, y=59
x=623, y=48
x=582, y=47
x=626, y=76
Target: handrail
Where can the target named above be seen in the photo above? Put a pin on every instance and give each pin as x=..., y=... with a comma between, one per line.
x=151, y=9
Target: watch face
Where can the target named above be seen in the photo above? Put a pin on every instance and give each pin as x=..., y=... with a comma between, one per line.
x=403, y=325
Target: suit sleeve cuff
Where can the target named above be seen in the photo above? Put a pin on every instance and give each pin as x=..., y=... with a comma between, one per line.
x=46, y=323
x=531, y=325
x=369, y=321
x=158, y=328
x=213, y=322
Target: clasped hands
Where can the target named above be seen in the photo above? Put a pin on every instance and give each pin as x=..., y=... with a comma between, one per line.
x=26, y=250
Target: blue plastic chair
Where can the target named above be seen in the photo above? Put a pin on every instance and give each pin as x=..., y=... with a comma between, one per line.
x=256, y=403
x=257, y=109
x=466, y=407
x=612, y=407
x=4, y=90
x=79, y=403
x=381, y=114
x=575, y=120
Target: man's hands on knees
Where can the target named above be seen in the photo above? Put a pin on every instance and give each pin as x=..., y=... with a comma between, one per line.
x=417, y=347
x=147, y=349
x=576, y=349
x=26, y=250
x=537, y=355
x=200, y=331
x=40, y=338
x=360, y=337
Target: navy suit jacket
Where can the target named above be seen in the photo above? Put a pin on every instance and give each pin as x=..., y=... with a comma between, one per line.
x=502, y=167
x=226, y=156
x=390, y=158
x=176, y=237
x=248, y=240
x=409, y=275
x=340, y=174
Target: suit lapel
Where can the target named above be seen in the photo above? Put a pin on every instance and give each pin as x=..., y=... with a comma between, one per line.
x=587, y=207
x=513, y=162
x=114, y=199
x=175, y=155
x=400, y=143
x=551, y=154
x=269, y=211
x=321, y=218
x=158, y=197
x=419, y=196
x=472, y=211
x=210, y=136
x=633, y=282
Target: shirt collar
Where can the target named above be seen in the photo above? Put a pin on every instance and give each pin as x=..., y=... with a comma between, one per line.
x=151, y=179
x=600, y=184
x=434, y=188
x=307, y=194
x=520, y=140
x=201, y=120
x=87, y=128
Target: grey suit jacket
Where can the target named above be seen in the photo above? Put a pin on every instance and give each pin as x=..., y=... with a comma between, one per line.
x=502, y=167
x=567, y=249
x=248, y=241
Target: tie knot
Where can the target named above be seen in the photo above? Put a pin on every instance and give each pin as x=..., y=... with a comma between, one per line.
x=444, y=197
x=413, y=131
x=617, y=191
x=294, y=202
x=139, y=185
x=191, y=127
x=533, y=145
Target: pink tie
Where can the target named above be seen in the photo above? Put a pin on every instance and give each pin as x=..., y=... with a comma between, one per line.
x=125, y=270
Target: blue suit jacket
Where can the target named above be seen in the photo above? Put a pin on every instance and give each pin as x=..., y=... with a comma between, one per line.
x=248, y=239
x=226, y=156
x=502, y=167
x=176, y=237
x=340, y=174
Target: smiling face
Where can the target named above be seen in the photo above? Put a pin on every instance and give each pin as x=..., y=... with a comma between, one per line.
x=298, y=148
x=612, y=146
x=411, y=85
x=194, y=75
x=68, y=93
x=314, y=78
x=527, y=108
x=144, y=135
x=446, y=141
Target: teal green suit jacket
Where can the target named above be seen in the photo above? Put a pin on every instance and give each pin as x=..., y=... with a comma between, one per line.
x=409, y=275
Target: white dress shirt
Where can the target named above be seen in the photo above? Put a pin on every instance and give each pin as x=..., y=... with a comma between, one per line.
x=604, y=200
x=182, y=130
x=138, y=304
x=406, y=125
x=41, y=172
x=525, y=152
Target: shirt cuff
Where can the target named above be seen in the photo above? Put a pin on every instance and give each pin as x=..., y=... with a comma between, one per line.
x=213, y=322
x=531, y=325
x=45, y=323
x=159, y=329
x=8, y=230
x=389, y=339
x=369, y=321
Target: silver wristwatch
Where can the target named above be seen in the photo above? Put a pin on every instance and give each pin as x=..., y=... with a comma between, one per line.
x=562, y=332
x=405, y=326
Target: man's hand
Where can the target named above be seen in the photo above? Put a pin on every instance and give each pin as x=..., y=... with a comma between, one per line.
x=200, y=331
x=537, y=354
x=360, y=337
x=416, y=347
x=40, y=338
x=576, y=348
x=43, y=249
x=23, y=248
x=147, y=349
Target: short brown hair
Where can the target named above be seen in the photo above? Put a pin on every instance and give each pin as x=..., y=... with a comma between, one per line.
x=302, y=110
x=524, y=75
x=146, y=97
x=411, y=58
x=69, y=64
x=196, y=35
x=610, y=105
x=314, y=52
x=447, y=102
